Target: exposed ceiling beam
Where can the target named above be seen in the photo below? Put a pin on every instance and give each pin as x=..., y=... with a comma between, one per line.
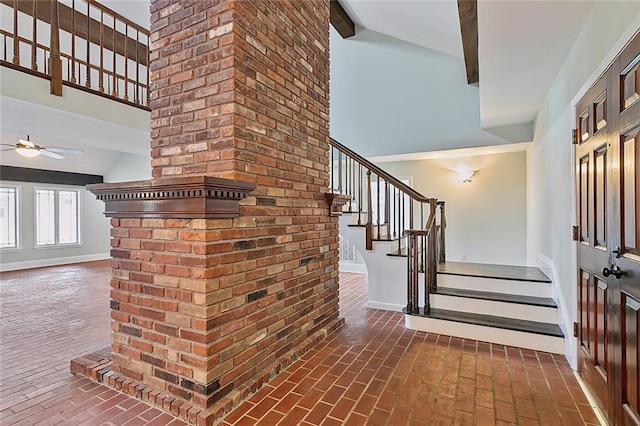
x=66, y=18
x=341, y=20
x=468, y=14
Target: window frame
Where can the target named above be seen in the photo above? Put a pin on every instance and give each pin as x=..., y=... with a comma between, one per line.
x=18, y=215
x=56, y=190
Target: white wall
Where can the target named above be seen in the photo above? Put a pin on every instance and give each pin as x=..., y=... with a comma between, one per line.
x=550, y=194
x=94, y=233
x=486, y=218
x=129, y=167
x=393, y=97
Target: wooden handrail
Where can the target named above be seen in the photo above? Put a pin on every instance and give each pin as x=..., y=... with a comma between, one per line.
x=380, y=172
x=395, y=207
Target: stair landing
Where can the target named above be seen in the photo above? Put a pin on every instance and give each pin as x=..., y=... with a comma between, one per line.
x=503, y=272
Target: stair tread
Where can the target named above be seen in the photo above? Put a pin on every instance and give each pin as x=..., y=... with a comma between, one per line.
x=547, y=329
x=384, y=238
x=499, y=297
x=504, y=272
x=399, y=253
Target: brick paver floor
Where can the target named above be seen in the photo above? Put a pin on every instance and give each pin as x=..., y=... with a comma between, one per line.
x=372, y=371
x=49, y=316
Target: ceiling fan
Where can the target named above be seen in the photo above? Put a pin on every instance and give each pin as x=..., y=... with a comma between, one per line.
x=26, y=148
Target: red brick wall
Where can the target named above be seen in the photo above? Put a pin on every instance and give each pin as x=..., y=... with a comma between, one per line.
x=205, y=309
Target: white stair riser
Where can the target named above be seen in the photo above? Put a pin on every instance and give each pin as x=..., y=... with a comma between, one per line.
x=482, y=333
x=495, y=308
x=523, y=288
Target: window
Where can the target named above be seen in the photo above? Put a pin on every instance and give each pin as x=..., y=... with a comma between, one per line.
x=57, y=215
x=9, y=217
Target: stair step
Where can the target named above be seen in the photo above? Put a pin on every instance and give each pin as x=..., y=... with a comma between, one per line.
x=512, y=332
x=546, y=329
x=385, y=238
x=498, y=297
x=398, y=253
x=503, y=272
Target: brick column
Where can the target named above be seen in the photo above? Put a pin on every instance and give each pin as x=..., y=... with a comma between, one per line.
x=209, y=309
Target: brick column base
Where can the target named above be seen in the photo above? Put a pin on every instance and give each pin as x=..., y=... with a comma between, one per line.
x=97, y=367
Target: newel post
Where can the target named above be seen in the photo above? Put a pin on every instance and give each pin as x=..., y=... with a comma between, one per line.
x=55, y=63
x=443, y=224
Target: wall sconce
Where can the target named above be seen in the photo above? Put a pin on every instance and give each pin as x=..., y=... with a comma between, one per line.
x=466, y=175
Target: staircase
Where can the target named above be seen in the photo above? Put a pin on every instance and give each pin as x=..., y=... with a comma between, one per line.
x=408, y=271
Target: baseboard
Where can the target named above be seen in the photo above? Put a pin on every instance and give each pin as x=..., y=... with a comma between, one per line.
x=41, y=263
x=565, y=323
x=359, y=268
x=385, y=306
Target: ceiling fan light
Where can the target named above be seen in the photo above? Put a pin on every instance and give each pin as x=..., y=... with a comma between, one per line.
x=28, y=152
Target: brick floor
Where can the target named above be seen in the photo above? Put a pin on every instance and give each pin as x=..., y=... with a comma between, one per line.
x=372, y=371
x=47, y=317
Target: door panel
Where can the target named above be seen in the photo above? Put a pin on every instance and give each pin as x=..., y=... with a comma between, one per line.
x=600, y=197
x=630, y=352
x=608, y=209
x=629, y=197
x=602, y=310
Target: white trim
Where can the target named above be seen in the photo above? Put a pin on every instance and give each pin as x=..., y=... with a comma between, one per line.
x=521, y=339
x=384, y=306
x=359, y=268
x=56, y=208
x=495, y=285
x=15, y=266
x=545, y=314
x=18, y=216
x=564, y=321
x=592, y=401
x=58, y=246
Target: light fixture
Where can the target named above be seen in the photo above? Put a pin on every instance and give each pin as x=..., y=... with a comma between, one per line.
x=27, y=151
x=466, y=175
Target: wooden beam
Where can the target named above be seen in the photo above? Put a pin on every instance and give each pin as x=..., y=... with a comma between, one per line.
x=66, y=17
x=468, y=14
x=341, y=20
x=24, y=174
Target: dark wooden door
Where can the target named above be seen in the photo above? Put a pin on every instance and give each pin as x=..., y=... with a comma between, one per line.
x=608, y=205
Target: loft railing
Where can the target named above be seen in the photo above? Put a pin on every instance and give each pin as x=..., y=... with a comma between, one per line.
x=80, y=44
x=391, y=210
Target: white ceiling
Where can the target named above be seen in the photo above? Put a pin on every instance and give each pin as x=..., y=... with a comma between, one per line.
x=427, y=23
x=522, y=44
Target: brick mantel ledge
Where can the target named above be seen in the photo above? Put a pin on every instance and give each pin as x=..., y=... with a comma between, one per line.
x=189, y=197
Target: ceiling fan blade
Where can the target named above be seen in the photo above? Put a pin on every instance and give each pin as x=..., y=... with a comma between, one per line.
x=64, y=150
x=47, y=153
x=27, y=143
x=6, y=149
x=8, y=144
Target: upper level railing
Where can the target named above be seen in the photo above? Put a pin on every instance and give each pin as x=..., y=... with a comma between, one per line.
x=391, y=210
x=77, y=43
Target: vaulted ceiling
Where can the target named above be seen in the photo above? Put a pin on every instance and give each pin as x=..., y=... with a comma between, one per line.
x=522, y=45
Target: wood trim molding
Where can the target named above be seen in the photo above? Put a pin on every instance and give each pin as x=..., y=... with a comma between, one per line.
x=336, y=201
x=468, y=14
x=192, y=197
x=341, y=21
